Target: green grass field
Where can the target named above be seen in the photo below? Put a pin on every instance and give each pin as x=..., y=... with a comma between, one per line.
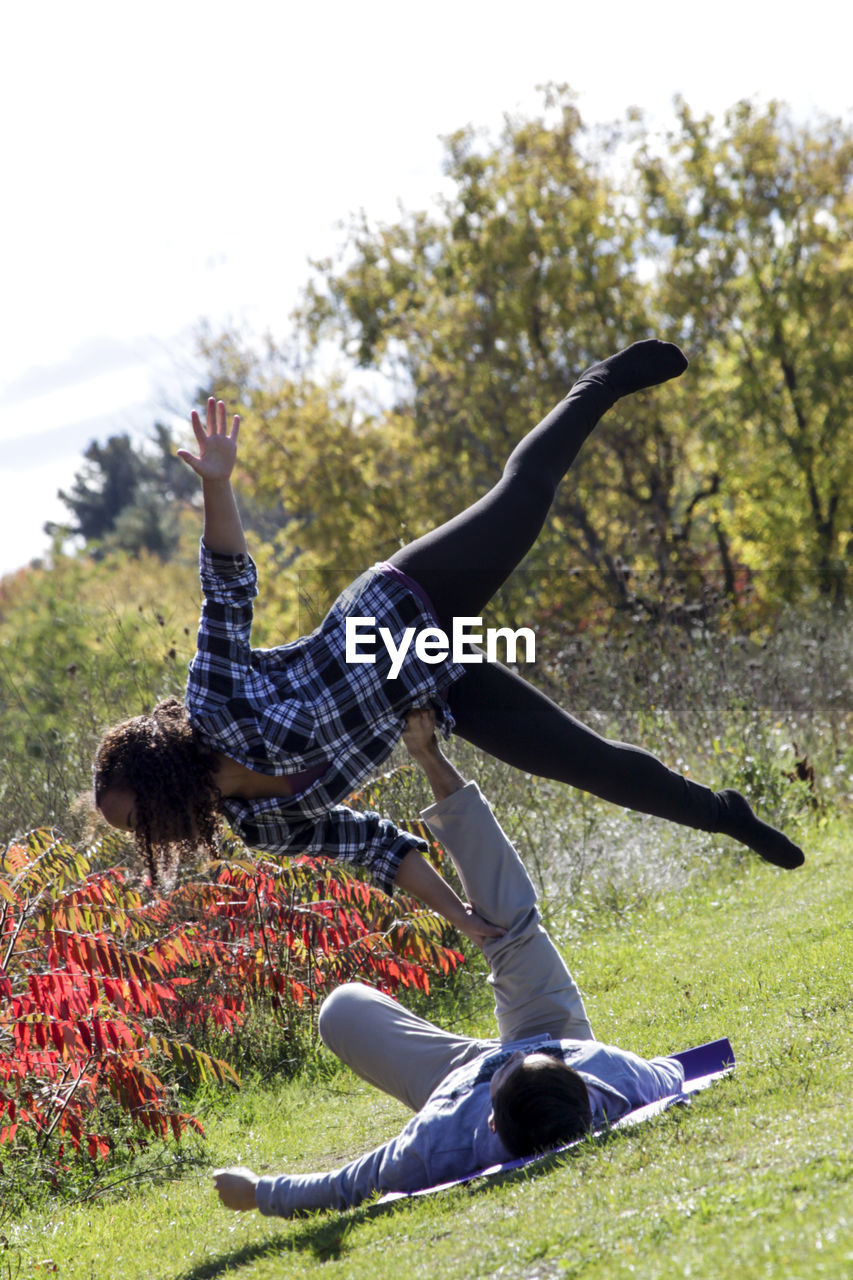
x=752, y=1180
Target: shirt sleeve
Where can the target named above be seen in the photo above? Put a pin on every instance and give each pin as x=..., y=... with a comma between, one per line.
x=669, y=1076
x=620, y=1081
x=395, y=1166
x=363, y=839
x=370, y=841
x=229, y=584
x=649, y=1080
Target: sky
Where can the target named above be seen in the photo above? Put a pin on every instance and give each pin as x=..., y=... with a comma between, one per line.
x=168, y=164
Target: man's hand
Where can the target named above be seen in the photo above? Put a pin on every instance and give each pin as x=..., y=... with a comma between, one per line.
x=217, y=445
x=419, y=733
x=422, y=745
x=236, y=1187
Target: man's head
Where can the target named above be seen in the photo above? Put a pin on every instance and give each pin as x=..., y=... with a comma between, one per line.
x=538, y=1102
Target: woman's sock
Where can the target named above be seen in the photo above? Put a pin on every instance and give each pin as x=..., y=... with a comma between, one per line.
x=643, y=364
x=736, y=818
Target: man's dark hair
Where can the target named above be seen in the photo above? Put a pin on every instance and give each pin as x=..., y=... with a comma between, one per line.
x=544, y=1103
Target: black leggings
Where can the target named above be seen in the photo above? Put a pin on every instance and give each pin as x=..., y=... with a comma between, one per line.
x=497, y=710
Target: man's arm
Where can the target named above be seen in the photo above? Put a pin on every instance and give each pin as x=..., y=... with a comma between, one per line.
x=620, y=1081
x=223, y=528
x=397, y=1165
x=422, y=745
x=416, y=875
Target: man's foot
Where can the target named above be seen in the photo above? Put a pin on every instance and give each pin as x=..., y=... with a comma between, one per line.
x=643, y=364
x=737, y=819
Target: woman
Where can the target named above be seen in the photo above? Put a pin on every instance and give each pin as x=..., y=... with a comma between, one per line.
x=276, y=739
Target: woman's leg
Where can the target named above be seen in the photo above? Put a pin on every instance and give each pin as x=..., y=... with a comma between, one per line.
x=462, y=564
x=498, y=711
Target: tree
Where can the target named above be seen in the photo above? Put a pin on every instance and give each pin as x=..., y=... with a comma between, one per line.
x=103, y=487
x=483, y=316
x=126, y=497
x=475, y=321
x=753, y=226
x=449, y=334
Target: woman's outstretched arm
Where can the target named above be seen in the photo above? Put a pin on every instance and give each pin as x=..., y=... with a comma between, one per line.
x=419, y=877
x=223, y=528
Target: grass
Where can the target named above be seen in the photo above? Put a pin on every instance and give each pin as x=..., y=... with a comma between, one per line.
x=752, y=1180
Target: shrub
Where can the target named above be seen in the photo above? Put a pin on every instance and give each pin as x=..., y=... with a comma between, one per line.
x=107, y=998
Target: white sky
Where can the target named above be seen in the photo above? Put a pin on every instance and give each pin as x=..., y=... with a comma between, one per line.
x=165, y=163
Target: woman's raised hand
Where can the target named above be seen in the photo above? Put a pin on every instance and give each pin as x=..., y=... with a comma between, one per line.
x=217, y=444
x=217, y=453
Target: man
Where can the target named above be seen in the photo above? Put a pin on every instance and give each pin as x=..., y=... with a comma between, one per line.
x=478, y=1102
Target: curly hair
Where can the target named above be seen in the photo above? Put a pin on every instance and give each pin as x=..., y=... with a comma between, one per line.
x=161, y=759
x=542, y=1104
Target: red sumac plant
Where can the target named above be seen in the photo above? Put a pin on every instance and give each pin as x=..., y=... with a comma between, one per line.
x=105, y=997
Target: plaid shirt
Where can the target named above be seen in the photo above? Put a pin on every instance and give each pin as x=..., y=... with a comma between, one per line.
x=301, y=707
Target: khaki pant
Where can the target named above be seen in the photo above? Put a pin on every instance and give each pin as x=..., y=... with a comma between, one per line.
x=535, y=994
